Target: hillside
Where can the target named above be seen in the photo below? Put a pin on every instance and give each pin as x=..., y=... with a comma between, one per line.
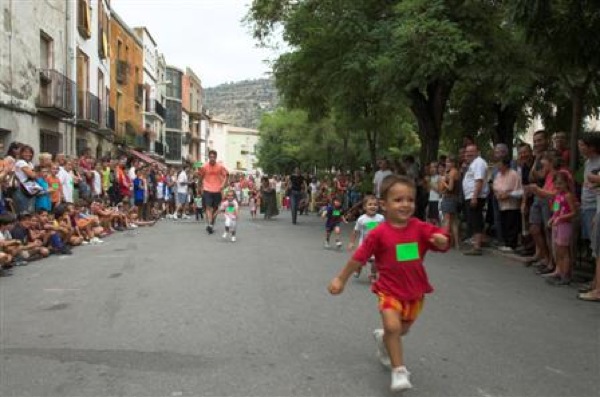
x=241, y=103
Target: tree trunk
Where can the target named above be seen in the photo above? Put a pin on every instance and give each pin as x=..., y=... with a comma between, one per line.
x=429, y=111
x=577, y=102
x=372, y=142
x=505, y=127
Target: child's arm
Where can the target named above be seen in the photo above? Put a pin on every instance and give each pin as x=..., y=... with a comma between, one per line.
x=336, y=286
x=570, y=215
x=436, y=237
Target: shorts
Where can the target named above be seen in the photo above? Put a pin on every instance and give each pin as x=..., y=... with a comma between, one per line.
x=182, y=198
x=561, y=234
x=475, y=215
x=595, y=237
x=433, y=211
x=211, y=199
x=449, y=205
x=230, y=223
x=587, y=218
x=330, y=227
x=409, y=310
x=539, y=212
x=138, y=203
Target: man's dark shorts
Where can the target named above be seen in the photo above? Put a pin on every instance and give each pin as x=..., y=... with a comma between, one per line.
x=475, y=215
x=211, y=200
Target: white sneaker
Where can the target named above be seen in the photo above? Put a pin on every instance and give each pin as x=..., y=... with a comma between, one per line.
x=233, y=239
x=400, y=379
x=326, y=245
x=96, y=240
x=381, y=352
x=338, y=244
x=133, y=226
x=187, y=217
x=505, y=249
x=85, y=242
x=225, y=235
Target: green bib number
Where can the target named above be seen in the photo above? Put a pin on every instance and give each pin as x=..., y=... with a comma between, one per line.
x=55, y=186
x=371, y=225
x=336, y=213
x=555, y=206
x=231, y=209
x=407, y=252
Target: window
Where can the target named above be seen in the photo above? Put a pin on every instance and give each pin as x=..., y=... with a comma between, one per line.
x=49, y=141
x=173, y=141
x=46, y=52
x=84, y=19
x=173, y=114
x=102, y=31
x=82, y=145
x=238, y=165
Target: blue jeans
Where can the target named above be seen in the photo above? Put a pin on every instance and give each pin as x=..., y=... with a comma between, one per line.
x=22, y=202
x=295, y=198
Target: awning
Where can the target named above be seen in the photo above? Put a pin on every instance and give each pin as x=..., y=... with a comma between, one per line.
x=145, y=158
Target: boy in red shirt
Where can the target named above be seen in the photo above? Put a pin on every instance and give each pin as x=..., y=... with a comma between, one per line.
x=399, y=245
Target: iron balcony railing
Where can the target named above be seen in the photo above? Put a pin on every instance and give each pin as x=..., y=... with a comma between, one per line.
x=88, y=107
x=56, y=92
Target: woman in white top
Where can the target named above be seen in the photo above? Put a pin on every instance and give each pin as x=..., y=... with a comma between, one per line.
x=433, y=212
x=25, y=173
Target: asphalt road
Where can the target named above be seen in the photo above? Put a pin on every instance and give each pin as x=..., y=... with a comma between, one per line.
x=170, y=311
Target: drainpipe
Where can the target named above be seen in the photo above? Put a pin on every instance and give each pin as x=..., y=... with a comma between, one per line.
x=10, y=37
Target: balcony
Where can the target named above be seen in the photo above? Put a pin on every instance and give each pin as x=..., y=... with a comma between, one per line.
x=56, y=94
x=139, y=94
x=88, y=109
x=122, y=72
x=160, y=109
x=106, y=126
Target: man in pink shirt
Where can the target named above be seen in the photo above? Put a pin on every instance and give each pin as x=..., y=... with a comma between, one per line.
x=213, y=177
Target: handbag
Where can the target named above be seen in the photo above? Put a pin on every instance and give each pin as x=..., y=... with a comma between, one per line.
x=31, y=188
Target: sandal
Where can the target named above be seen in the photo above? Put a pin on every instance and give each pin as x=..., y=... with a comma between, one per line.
x=588, y=297
x=585, y=288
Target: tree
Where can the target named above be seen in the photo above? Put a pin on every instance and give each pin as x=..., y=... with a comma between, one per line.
x=565, y=36
x=371, y=58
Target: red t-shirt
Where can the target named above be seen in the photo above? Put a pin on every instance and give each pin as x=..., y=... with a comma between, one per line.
x=399, y=254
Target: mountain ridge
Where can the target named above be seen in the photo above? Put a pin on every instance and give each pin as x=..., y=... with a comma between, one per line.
x=242, y=103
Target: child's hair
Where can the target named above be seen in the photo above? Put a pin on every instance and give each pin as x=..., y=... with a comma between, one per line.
x=368, y=198
x=391, y=180
x=564, y=177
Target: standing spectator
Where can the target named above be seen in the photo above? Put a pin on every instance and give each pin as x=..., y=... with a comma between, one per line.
x=539, y=212
x=296, y=184
x=433, y=180
x=525, y=162
x=380, y=175
x=450, y=189
x=508, y=192
x=475, y=190
x=55, y=187
x=24, y=172
x=182, y=194
x=500, y=154
x=560, y=144
x=123, y=181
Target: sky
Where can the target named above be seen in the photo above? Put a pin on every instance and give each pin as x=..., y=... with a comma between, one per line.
x=206, y=35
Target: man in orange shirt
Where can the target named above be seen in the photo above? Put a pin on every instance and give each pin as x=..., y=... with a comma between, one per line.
x=213, y=178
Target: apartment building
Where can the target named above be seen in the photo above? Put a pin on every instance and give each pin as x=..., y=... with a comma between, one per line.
x=37, y=87
x=127, y=95
x=174, y=116
x=241, y=149
x=153, y=104
x=93, y=122
x=192, y=109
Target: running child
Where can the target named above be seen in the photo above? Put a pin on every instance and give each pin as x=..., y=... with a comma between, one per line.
x=253, y=203
x=231, y=210
x=199, y=206
x=563, y=208
x=364, y=224
x=399, y=245
x=334, y=215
